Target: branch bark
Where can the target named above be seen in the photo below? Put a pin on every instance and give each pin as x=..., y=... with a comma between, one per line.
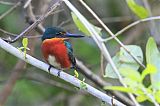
x=71, y=79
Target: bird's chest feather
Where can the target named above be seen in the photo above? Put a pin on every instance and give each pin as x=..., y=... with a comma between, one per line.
x=55, y=53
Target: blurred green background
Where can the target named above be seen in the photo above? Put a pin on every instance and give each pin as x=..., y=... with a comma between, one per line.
x=37, y=88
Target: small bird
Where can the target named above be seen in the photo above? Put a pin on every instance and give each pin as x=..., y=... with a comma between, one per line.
x=56, y=48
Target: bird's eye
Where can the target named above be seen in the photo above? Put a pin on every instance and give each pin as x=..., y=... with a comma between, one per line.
x=61, y=33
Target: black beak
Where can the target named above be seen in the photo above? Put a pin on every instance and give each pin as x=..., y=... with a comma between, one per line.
x=73, y=35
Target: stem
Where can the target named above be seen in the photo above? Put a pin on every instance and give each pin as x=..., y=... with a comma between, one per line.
x=31, y=27
x=110, y=32
x=132, y=25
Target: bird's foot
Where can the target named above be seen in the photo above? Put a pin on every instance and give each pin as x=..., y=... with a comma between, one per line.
x=49, y=68
x=59, y=71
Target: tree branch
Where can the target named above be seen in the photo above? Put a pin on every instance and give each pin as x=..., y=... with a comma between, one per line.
x=38, y=21
x=84, y=70
x=100, y=82
x=111, y=33
x=132, y=25
x=100, y=44
x=43, y=66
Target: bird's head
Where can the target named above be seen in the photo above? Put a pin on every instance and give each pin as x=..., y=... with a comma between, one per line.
x=55, y=32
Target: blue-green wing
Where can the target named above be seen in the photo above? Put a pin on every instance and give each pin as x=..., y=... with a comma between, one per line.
x=70, y=53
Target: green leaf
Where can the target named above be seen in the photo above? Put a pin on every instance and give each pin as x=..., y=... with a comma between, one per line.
x=139, y=10
x=131, y=74
x=131, y=83
x=157, y=96
x=153, y=57
x=141, y=98
x=119, y=88
x=25, y=42
x=123, y=60
x=76, y=73
x=83, y=84
x=82, y=27
x=150, y=69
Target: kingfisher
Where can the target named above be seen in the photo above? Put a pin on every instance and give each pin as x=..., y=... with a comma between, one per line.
x=57, y=50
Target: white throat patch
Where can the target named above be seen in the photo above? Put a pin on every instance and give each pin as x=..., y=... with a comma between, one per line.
x=52, y=61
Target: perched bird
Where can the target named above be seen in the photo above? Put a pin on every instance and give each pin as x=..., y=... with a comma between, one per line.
x=56, y=48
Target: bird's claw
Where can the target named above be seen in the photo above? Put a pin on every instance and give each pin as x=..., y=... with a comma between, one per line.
x=59, y=73
x=49, y=68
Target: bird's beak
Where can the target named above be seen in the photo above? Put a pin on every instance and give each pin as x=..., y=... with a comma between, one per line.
x=73, y=35
x=65, y=39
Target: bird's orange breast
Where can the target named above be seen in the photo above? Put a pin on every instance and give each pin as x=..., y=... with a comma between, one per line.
x=55, y=49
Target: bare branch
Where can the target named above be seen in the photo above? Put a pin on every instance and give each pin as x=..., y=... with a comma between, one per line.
x=43, y=79
x=100, y=44
x=100, y=82
x=8, y=33
x=10, y=10
x=6, y=3
x=43, y=66
x=42, y=18
x=15, y=35
x=132, y=25
x=27, y=3
x=93, y=77
x=111, y=33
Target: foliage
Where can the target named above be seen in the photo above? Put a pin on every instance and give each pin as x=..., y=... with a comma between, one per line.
x=82, y=27
x=76, y=74
x=139, y=10
x=83, y=84
x=123, y=60
x=134, y=80
x=24, y=47
x=153, y=57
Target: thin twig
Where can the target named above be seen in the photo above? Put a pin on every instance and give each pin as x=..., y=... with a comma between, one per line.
x=90, y=75
x=41, y=78
x=6, y=3
x=42, y=18
x=132, y=25
x=58, y=11
x=113, y=101
x=64, y=22
x=43, y=66
x=16, y=73
x=102, y=66
x=27, y=3
x=112, y=19
x=8, y=33
x=10, y=10
x=94, y=35
x=100, y=82
x=150, y=96
x=110, y=32
x=15, y=35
